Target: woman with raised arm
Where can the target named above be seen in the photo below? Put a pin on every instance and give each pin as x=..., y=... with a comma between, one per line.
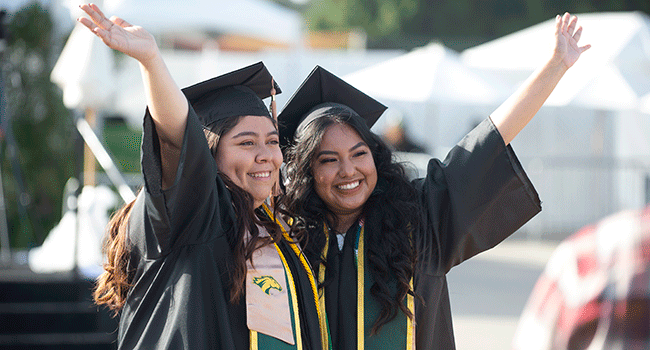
x=199, y=260
x=381, y=244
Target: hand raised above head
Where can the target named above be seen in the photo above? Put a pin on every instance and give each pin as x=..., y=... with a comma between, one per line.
x=566, y=39
x=120, y=35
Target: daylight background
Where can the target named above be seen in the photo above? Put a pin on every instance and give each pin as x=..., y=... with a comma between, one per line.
x=440, y=67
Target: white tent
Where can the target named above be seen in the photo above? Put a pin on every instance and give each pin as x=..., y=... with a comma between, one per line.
x=58, y=250
x=644, y=104
x=256, y=18
x=439, y=97
x=587, y=150
x=429, y=74
x=84, y=71
x=289, y=68
x=612, y=75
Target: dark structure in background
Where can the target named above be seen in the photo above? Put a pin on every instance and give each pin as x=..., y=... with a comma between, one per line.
x=51, y=311
x=38, y=311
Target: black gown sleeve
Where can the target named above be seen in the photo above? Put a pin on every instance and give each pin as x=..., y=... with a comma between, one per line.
x=473, y=200
x=196, y=200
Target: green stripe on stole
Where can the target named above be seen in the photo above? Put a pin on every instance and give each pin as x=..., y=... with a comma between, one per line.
x=399, y=333
x=392, y=335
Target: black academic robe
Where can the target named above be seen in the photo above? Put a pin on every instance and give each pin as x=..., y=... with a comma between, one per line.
x=472, y=201
x=180, y=252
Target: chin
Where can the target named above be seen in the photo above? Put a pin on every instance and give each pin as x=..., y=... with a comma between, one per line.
x=260, y=198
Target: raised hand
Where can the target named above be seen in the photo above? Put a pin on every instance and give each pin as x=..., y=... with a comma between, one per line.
x=521, y=106
x=566, y=39
x=166, y=102
x=120, y=35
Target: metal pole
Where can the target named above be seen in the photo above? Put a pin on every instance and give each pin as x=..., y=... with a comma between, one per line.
x=73, y=204
x=5, y=248
x=89, y=159
x=104, y=159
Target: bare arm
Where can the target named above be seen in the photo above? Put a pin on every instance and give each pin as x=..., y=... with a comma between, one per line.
x=511, y=117
x=167, y=104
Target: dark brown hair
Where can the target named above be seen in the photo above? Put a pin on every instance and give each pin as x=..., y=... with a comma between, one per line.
x=390, y=251
x=113, y=284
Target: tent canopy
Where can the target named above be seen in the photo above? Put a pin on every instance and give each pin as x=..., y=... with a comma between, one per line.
x=612, y=75
x=255, y=18
x=84, y=71
x=432, y=74
x=438, y=98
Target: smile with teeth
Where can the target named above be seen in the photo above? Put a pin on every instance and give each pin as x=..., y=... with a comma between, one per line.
x=349, y=186
x=262, y=174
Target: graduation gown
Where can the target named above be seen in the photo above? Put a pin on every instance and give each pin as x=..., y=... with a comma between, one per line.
x=472, y=201
x=180, y=292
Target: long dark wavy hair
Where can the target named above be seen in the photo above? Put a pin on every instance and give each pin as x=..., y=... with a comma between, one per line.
x=112, y=286
x=390, y=250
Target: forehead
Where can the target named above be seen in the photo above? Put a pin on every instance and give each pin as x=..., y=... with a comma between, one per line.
x=340, y=136
x=252, y=123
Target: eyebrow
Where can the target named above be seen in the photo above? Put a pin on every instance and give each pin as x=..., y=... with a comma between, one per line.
x=252, y=133
x=351, y=149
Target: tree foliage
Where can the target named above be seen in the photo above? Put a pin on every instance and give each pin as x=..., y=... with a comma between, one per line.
x=457, y=23
x=41, y=125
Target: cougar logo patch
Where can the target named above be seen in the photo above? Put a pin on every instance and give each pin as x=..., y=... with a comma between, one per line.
x=267, y=283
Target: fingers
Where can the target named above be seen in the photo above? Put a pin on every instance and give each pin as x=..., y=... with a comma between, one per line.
x=88, y=23
x=565, y=22
x=577, y=34
x=96, y=16
x=120, y=22
x=98, y=10
x=572, y=25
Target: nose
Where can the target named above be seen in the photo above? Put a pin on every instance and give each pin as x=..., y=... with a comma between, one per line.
x=346, y=168
x=264, y=154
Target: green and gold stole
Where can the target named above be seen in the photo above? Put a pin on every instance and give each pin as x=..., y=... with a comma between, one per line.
x=398, y=333
x=262, y=341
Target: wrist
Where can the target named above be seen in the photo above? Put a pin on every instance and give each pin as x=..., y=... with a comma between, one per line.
x=152, y=59
x=557, y=63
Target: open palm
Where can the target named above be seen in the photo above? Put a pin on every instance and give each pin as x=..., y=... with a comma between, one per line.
x=567, y=37
x=120, y=35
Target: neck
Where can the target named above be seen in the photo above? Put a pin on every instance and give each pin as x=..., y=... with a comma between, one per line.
x=345, y=221
x=257, y=203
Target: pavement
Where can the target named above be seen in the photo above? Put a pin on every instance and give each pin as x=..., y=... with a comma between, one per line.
x=489, y=291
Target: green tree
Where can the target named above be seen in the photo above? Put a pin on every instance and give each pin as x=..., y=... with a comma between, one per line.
x=457, y=23
x=42, y=127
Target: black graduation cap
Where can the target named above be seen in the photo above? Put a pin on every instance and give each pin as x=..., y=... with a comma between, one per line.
x=323, y=87
x=237, y=93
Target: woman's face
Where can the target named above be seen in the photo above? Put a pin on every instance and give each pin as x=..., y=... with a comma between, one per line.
x=249, y=154
x=344, y=170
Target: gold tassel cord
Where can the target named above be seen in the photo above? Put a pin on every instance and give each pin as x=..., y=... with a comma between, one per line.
x=273, y=107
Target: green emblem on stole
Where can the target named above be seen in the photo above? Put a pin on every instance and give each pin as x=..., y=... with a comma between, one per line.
x=267, y=283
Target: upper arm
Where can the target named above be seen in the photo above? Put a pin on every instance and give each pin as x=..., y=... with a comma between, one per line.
x=196, y=201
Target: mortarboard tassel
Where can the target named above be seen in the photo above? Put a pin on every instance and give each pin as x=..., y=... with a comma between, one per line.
x=274, y=110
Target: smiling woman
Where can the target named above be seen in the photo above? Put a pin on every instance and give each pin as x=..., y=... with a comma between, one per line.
x=344, y=173
x=249, y=155
x=181, y=270
x=398, y=239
